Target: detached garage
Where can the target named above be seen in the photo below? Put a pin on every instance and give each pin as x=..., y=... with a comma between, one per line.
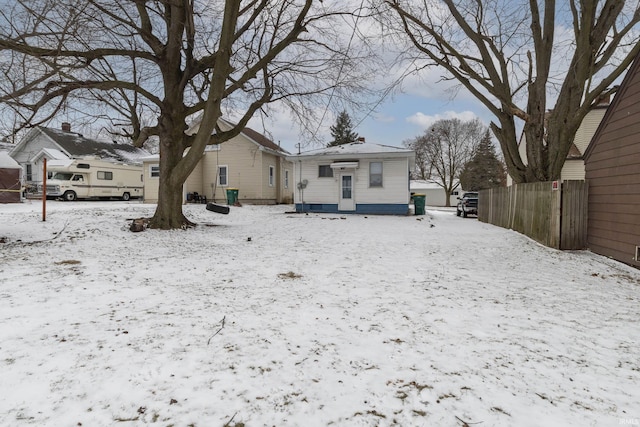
x=10, y=179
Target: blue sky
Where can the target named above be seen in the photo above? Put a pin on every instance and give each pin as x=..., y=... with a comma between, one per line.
x=395, y=120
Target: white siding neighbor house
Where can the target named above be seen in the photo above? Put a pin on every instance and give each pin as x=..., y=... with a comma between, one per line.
x=360, y=177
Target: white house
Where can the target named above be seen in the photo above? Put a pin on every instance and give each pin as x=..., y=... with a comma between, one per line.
x=360, y=177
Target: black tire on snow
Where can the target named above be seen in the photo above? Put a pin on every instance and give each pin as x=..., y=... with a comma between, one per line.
x=221, y=209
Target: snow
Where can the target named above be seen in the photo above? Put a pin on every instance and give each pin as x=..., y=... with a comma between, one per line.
x=7, y=162
x=266, y=318
x=54, y=155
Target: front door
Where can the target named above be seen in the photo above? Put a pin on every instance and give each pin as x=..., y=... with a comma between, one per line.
x=347, y=200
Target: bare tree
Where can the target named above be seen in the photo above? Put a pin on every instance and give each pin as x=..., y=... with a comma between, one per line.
x=423, y=162
x=511, y=57
x=172, y=60
x=447, y=147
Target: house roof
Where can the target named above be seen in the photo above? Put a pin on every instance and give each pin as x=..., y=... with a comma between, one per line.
x=254, y=136
x=355, y=149
x=263, y=140
x=419, y=184
x=76, y=145
x=7, y=162
x=51, y=153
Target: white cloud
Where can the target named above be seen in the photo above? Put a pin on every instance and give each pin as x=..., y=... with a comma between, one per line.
x=425, y=121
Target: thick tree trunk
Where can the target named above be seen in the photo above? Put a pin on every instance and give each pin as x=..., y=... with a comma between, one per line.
x=537, y=151
x=560, y=138
x=169, y=213
x=447, y=198
x=508, y=139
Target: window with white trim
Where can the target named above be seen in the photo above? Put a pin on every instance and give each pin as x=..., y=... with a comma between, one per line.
x=272, y=176
x=103, y=175
x=223, y=175
x=375, y=174
x=286, y=179
x=154, y=171
x=325, y=171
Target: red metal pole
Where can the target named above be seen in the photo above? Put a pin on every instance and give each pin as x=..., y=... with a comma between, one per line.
x=44, y=190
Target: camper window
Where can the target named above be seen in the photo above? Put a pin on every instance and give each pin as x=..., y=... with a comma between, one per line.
x=105, y=175
x=62, y=176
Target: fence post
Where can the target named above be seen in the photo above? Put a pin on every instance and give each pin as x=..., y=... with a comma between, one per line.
x=555, y=212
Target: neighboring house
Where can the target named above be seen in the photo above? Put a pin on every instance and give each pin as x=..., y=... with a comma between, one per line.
x=249, y=162
x=52, y=144
x=573, y=168
x=613, y=173
x=10, y=179
x=360, y=177
x=434, y=192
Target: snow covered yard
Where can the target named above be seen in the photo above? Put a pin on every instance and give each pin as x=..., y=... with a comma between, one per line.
x=262, y=318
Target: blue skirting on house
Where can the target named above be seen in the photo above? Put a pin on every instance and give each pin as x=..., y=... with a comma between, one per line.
x=361, y=208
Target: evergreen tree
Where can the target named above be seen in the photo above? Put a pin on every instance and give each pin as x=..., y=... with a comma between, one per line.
x=341, y=131
x=484, y=170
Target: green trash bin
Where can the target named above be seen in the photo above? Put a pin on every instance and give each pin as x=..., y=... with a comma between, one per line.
x=419, y=201
x=232, y=195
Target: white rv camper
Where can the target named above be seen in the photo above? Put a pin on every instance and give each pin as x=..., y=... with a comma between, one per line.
x=90, y=179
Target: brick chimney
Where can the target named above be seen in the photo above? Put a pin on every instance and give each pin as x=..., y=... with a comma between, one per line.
x=361, y=139
x=66, y=126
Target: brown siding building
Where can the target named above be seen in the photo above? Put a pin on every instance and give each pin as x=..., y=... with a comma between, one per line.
x=10, y=179
x=612, y=168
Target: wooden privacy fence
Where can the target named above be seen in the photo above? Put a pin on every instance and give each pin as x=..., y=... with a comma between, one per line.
x=552, y=213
